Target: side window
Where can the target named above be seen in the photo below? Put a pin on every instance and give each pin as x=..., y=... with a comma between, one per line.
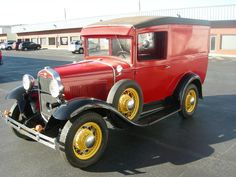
x=152, y=46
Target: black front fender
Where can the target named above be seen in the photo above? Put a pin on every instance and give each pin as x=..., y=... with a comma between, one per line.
x=22, y=97
x=16, y=93
x=76, y=107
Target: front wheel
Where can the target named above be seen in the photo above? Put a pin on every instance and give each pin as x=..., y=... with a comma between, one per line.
x=189, y=102
x=84, y=140
x=126, y=96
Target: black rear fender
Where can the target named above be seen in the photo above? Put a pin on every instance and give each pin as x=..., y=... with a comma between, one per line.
x=189, y=78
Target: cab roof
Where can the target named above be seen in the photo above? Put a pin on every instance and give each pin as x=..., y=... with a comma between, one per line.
x=126, y=25
x=148, y=21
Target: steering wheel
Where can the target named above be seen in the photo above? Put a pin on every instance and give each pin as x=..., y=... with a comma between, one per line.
x=123, y=54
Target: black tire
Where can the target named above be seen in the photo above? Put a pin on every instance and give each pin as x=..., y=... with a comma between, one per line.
x=9, y=48
x=81, y=51
x=69, y=132
x=185, y=111
x=118, y=90
x=15, y=114
x=38, y=47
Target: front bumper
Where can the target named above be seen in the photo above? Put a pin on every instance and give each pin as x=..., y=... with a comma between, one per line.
x=41, y=138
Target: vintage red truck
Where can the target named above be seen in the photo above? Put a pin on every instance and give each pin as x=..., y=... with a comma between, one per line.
x=143, y=70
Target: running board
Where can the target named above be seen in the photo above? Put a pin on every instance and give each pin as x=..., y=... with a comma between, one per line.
x=156, y=116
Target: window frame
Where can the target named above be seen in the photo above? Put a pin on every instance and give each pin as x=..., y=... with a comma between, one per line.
x=166, y=31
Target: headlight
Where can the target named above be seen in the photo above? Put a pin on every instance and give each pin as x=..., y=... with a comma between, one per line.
x=28, y=82
x=55, y=88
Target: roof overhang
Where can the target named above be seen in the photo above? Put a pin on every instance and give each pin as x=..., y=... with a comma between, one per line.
x=124, y=30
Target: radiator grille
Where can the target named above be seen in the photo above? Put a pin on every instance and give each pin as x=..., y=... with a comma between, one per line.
x=45, y=97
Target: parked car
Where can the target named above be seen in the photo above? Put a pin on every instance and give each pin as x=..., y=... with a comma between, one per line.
x=6, y=45
x=15, y=45
x=146, y=69
x=76, y=46
x=1, y=61
x=29, y=46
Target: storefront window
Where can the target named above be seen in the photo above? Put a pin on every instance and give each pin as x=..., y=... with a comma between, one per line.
x=51, y=41
x=43, y=41
x=35, y=40
x=74, y=38
x=64, y=40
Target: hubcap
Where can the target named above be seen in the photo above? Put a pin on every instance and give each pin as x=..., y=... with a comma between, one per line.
x=190, y=101
x=87, y=140
x=129, y=103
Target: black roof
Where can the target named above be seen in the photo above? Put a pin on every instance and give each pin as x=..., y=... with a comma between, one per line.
x=147, y=21
x=223, y=24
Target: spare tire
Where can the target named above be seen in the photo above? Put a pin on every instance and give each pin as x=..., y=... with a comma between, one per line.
x=127, y=97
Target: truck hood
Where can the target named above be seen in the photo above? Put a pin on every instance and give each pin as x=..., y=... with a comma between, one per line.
x=90, y=78
x=91, y=66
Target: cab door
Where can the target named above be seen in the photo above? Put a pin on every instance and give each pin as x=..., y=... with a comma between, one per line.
x=152, y=67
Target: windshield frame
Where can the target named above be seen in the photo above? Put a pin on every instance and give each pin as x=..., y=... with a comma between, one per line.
x=86, y=47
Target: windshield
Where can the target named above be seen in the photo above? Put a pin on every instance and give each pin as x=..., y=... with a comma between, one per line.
x=118, y=47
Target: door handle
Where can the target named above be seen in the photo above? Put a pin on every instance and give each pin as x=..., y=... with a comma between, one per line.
x=166, y=66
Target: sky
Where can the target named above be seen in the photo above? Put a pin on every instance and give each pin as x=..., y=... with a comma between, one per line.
x=40, y=11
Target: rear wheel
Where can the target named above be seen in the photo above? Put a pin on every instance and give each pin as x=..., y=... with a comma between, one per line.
x=189, y=102
x=84, y=140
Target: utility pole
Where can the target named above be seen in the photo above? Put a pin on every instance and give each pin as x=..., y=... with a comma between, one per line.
x=139, y=5
x=65, y=13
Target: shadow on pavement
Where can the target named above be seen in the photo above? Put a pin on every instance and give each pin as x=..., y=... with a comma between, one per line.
x=14, y=68
x=173, y=140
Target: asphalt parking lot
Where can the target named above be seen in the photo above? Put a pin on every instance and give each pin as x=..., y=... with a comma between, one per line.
x=203, y=146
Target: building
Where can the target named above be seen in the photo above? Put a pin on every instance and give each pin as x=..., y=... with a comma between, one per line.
x=54, y=35
x=223, y=38
x=6, y=34
x=60, y=34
